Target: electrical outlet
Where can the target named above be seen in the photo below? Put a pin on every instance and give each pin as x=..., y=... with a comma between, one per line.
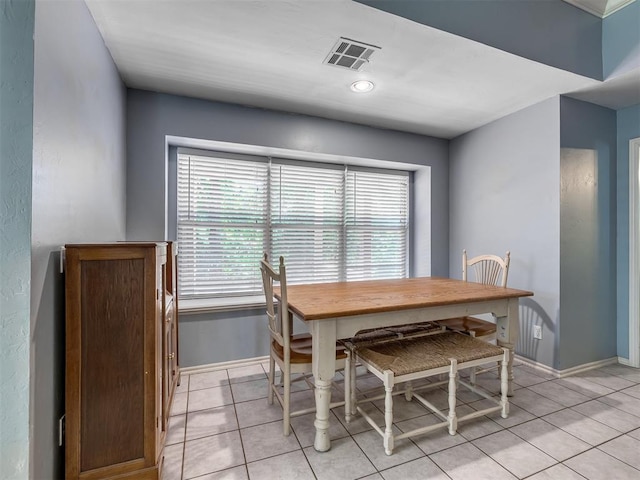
x=537, y=332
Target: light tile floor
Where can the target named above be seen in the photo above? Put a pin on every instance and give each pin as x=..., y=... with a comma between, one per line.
x=584, y=426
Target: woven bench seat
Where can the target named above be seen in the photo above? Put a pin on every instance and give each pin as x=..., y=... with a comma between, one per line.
x=370, y=336
x=376, y=336
x=476, y=327
x=407, y=359
x=373, y=336
x=416, y=329
x=417, y=354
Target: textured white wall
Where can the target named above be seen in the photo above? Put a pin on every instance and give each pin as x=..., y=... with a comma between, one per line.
x=78, y=190
x=16, y=105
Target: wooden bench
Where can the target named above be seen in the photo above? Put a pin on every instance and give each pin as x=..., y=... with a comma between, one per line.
x=404, y=360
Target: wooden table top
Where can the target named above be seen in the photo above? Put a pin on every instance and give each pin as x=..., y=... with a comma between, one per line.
x=330, y=300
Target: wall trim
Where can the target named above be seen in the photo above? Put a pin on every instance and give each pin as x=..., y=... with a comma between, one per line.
x=624, y=361
x=190, y=306
x=567, y=371
x=634, y=252
x=212, y=367
x=600, y=9
x=247, y=362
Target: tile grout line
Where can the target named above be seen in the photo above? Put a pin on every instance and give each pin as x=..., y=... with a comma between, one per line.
x=468, y=403
x=235, y=411
x=186, y=421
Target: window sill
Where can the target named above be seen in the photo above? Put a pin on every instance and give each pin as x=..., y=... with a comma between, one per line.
x=205, y=305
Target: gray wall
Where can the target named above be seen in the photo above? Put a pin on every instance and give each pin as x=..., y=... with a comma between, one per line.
x=152, y=116
x=552, y=32
x=587, y=233
x=505, y=195
x=621, y=41
x=621, y=54
x=78, y=190
x=16, y=127
x=628, y=127
x=555, y=162
x=223, y=336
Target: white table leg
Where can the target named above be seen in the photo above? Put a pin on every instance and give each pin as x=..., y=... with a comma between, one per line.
x=324, y=369
x=510, y=347
x=508, y=329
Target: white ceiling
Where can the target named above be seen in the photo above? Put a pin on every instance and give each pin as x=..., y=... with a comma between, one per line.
x=270, y=53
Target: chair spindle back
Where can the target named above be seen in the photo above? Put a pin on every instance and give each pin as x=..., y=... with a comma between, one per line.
x=487, y=269
x=279, y=330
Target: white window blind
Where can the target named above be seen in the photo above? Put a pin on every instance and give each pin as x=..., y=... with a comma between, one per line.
x=330, y=222
x=222, y=221
x=376, y=225
x=306, y=220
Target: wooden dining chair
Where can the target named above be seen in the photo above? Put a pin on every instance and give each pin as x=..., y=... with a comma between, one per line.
x=407, y=359
x=292, y=353
x=489, y=270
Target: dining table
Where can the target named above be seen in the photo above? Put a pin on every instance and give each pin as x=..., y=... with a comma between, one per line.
x=334, y=311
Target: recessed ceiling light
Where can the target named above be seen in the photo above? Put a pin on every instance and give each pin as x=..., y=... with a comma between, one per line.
x=362, y=86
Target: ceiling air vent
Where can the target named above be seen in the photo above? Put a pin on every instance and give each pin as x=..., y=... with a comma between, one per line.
x=350, y=54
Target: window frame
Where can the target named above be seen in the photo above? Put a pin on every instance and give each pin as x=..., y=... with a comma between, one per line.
x=177, y=145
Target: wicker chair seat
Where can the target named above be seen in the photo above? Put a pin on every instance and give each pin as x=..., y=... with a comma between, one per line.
x=300, y=351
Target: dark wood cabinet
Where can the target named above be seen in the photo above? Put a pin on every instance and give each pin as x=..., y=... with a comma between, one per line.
x=171, y=372
x=121, y=358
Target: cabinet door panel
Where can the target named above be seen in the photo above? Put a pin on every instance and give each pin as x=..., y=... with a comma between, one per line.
x=112, y=386
x=117, y=386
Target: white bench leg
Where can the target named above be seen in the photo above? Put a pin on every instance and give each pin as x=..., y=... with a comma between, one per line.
x=452, y=418
x=408, y=392
x=388, y=413
x=347, y=386
x=354, y=403
x=472, y=376
x=504, y=384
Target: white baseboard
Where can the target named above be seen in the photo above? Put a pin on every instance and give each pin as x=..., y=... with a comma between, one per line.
x=246, y=362
x=535, y=365
x=624, y=361
x=212, y=367
x=568, y=371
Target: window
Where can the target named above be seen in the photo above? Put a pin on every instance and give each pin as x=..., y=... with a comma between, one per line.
x=330, y=222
